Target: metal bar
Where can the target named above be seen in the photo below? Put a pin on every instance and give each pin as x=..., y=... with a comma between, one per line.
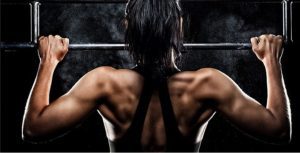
x=291, y=17
x=286, y=14
x=200, y=46
x=219, y=46
x=11, y=46
x=97, y=46
x=225, y=46
x=124, y=1
x=35, y=21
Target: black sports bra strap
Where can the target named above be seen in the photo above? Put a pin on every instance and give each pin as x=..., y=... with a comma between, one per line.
x=136, y=128
x=131, y=140
x=168, y=114
x=170, y=122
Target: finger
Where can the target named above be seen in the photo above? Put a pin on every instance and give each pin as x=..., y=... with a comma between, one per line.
x=66, y=43
x=279, y=40
x=263, y=41
x=58, y=36
x=43, y=46
x=41, y=37
x=262, y=37
x=257, y=38
x=58, y=39
x=50, y=38
x=254, y=43
x=272, y=35
x=51, y=41
x=43, y=41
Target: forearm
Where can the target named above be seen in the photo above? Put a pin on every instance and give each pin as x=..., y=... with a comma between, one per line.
x=39, y=95
x=277, y=101
x=273, y=122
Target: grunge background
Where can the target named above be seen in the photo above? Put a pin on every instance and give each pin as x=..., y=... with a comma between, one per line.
x=102, y=23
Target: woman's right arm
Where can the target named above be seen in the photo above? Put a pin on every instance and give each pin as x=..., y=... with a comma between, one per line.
x=270, y=122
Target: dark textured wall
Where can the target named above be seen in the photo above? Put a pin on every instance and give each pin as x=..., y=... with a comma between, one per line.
x=102, y=23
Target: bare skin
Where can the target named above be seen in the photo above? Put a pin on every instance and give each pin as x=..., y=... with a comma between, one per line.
x=195, y=96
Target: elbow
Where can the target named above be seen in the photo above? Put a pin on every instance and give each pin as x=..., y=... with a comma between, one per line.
x=279, y=129
x=32, y=133
x=33, y=136
x=29, y=134
x=36, y=133
x=285, y=131
x=282, y=135
x=285, y=135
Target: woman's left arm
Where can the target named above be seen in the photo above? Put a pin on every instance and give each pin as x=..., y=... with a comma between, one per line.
x=43, y=119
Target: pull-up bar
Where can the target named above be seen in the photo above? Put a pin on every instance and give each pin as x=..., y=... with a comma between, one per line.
x=35, y=28
x=202, y=46
x=124, y=1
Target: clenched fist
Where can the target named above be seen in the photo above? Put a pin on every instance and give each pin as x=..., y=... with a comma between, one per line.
x=52, y=48
x=267, y=47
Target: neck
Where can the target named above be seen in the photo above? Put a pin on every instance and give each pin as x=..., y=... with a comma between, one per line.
x=171, y=65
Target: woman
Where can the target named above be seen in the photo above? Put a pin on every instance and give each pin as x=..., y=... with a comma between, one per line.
x=154, y=106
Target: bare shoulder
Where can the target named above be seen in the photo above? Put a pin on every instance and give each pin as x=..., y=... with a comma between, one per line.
x=213, y=76
x=98, y=75
x=115, y=78
x=206, y=83
x=94, y=79
x=203, y=75
x=112, y=74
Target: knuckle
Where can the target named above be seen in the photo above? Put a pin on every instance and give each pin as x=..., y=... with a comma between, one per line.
x=271, y=39
x=279, y=38
x=263, y=37
x=271, y=36
x=50, y=37
x=41, y=37
x=57, y=37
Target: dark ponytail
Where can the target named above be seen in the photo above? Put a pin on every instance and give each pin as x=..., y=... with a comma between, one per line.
x=153, y=30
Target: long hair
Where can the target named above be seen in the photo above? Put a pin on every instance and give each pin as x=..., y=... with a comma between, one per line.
x=153, y=31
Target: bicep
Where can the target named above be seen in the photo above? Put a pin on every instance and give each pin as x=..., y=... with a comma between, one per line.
x=247, y=114
x=71, y=108
x=62, y=114
x=242, y=110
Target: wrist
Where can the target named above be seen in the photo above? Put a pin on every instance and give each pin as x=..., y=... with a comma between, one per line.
x=272, y=66
x=48, y=63
x=272, y=62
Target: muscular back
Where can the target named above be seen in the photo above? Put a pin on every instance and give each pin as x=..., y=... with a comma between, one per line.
x=194, y=97
x=124, y=94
